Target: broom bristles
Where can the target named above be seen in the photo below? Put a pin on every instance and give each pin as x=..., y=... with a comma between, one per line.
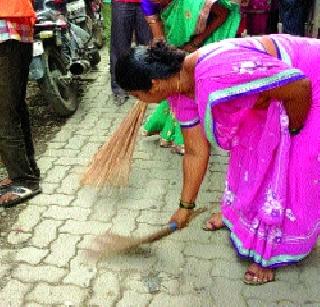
x=111, y=165
x=111, y=244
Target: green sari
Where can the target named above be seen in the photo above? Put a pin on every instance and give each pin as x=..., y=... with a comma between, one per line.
x=182, y=19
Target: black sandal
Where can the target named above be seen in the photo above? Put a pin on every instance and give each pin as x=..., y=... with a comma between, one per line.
x=22, y=194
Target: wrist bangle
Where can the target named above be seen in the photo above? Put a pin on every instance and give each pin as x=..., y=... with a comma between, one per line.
x=185, y=205
x=295, y=131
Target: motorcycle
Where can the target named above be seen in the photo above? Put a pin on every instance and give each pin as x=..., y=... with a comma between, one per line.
x=88, y=15
x=62, y=52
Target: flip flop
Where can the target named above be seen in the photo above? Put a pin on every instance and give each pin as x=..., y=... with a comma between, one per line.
x=254, y=281
x=21, y=192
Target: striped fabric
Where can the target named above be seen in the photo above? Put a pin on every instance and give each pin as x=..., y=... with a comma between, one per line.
x=16, y=31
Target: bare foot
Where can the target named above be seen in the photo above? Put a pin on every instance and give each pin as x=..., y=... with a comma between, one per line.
x=256, y=275
x=7, y=198
x=5, y=182
x=215, y=222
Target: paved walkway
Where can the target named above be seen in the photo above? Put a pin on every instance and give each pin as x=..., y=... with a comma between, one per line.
x=44, y=262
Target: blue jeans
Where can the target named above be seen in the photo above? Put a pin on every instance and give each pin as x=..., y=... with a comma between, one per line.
x=127, y=19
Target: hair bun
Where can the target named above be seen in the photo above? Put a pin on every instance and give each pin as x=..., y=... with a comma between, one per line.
x=166, y=54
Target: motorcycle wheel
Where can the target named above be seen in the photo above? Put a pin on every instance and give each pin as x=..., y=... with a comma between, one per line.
x=59, y=90
x=95, y=59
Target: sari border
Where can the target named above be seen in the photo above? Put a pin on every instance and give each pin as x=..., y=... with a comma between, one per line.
x=274, y=262
x=203, y=16
x=237, y=91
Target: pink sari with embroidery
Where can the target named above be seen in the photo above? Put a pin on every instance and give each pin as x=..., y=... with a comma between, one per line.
x=271, y=202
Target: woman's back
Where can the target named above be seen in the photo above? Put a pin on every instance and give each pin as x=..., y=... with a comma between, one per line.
x=299, y=52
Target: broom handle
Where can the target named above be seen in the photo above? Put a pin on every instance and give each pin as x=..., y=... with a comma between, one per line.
x=169, y=229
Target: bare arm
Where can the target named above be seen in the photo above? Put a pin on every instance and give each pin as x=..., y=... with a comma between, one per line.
x=220, y=14
x=296, y=98
x=195, y=164
x=156, y=27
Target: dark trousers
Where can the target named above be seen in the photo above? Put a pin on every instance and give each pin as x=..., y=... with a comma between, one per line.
x=16, y=144
x=127, y=19
x=293, y=15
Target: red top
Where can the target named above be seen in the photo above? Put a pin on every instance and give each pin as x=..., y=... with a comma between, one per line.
x=17, y=11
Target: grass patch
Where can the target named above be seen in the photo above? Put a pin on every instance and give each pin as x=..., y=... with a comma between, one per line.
x=107, y=22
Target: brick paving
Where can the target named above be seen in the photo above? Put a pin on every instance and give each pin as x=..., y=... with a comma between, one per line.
x=44, y=261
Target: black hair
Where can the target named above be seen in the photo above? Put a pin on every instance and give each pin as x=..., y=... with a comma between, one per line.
x=136, y=69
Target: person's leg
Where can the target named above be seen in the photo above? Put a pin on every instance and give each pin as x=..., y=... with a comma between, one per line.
x=292, y=16
x=123, y=16
x=142, y=31
x=13, y=129
x=22, y=108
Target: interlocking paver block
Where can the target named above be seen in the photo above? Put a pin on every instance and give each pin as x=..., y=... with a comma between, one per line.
x=64, y=295
x=54, y=199
x=134, y=299
x=57, y=173
x=63, y=213
x=124, y=217
x=28, y=273
x=82, y=270
x=195, y=300
x=13, y=293
x=28, y=218
x=106, y=289
x=31, y=255
x=69, y=185
x=62, y=250
x=85, y=228
x=45, y=233
x=87, y=197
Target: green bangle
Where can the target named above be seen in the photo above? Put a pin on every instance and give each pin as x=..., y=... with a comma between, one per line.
x=185, y=205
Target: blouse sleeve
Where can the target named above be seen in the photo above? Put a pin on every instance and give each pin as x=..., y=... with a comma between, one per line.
x=149, y=8
x=185, y=110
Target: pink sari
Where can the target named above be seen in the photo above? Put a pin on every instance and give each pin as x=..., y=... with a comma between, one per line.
x=271, y=202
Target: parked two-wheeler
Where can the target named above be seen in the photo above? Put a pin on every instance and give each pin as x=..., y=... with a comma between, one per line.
x=62, y=51
x=88, y=15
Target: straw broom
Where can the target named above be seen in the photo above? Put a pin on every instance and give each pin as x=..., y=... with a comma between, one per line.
x=112, y=163
x=110, y=244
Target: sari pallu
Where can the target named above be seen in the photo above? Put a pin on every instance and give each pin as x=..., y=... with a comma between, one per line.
x=271, y=200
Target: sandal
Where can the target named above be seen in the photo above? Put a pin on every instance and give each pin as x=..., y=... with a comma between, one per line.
x=251, y=278
x=165, y=144
x=148, y=133
x=20, y=193
x=178, y=149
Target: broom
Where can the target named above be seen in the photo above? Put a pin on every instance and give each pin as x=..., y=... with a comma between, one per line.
x=111, y=244
x=112, y=163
